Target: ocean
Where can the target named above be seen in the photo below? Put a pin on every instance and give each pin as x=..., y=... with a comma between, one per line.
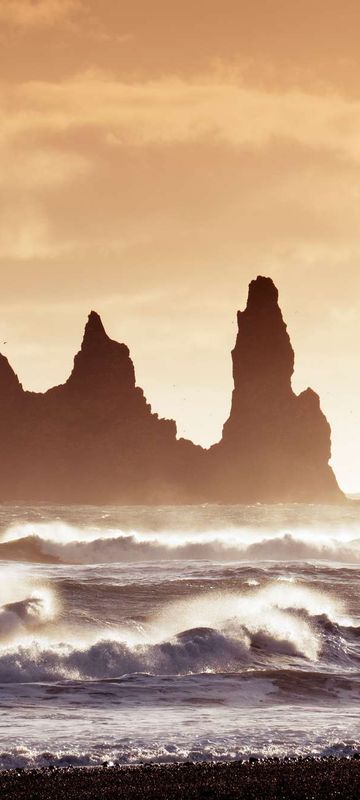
x=137, y=634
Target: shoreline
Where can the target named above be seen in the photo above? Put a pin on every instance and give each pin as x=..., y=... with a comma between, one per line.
x=307, y=778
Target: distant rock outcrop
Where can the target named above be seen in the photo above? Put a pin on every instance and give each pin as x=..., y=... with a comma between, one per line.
x=275, y=445
x=95, y=439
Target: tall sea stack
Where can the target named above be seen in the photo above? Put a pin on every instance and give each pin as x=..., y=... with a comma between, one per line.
x=275, y=445
x=95, y=439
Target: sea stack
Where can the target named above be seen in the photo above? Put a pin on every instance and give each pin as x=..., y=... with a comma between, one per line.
x=95, y=439
x=276, y=445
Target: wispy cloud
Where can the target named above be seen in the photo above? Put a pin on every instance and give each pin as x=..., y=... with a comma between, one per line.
x=173, y=111
x=38, y=13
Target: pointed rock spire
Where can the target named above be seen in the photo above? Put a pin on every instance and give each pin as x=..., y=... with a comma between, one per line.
x=94, y=333
x=275, y=445
x=263, y=359
x=101, y=363
x=262, y=293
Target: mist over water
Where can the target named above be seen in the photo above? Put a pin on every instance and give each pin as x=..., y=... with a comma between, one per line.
x=173, y=633
x=226, y=533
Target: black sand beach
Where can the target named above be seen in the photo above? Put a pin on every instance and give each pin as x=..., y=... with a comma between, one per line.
x=301, y=779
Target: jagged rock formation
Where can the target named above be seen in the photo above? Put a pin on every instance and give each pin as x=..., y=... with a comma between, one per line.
x=95, y=439
x=275, y=445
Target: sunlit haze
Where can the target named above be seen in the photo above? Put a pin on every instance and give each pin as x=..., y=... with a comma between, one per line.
x=155, y=157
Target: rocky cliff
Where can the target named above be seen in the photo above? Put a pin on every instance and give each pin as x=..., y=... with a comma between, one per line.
x=95, y=439
x=276, y=445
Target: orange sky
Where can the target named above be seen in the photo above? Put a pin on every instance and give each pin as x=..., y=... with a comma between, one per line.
x=154, y=158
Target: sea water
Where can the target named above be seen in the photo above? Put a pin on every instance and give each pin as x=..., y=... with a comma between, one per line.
x=133, y=634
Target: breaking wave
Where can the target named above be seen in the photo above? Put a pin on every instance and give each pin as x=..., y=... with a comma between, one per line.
x=217, y=632
x=25, y=616
x=191, y=652
x=56, y=544
x=178, y=633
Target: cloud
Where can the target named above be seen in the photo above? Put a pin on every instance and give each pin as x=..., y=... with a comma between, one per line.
x=128, y=168
x=38, y=13
x=27, y=178
x=39, y=169
x=24, y=234
x=108, y=185
x=174, y=111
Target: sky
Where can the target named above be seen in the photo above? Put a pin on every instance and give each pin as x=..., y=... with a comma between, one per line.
x=156, y=157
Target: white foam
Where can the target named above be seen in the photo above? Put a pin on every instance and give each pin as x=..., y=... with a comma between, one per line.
x=25, y=608
x=215, y=632
x=122, y=548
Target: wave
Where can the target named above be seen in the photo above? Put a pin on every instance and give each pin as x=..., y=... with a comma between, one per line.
x=85, y=548
x=200, y=650
x=129, y=661
x=192, y=652
x=167, y=749
x=27, y=615
x=218, y=632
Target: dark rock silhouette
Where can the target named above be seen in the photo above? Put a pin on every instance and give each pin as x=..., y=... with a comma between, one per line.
x=275, y=445
x=95, y=439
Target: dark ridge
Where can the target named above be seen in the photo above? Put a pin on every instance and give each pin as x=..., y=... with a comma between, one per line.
x=95, y=439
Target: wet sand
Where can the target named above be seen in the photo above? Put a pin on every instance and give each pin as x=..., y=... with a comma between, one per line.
x=301, y=779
